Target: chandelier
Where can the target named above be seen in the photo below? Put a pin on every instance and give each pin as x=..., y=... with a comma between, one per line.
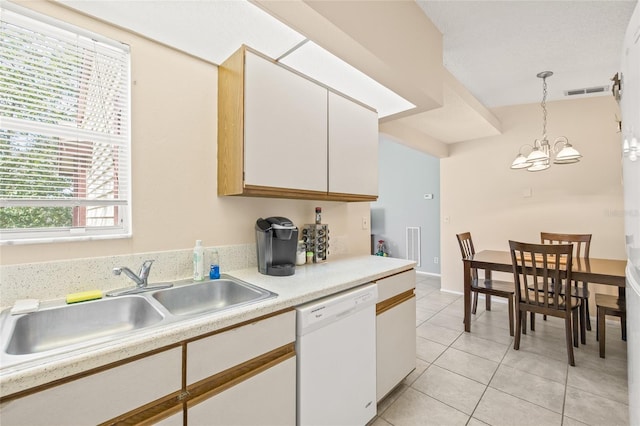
x=539, y=157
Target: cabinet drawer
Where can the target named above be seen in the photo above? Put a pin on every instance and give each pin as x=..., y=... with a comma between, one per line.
x=213, y=354
x=100, y=396
x=396, y=284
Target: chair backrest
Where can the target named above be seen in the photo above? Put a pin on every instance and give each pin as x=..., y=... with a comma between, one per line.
x=466, y=244
x=537, y=270
x=466, y=248
x=581, y=242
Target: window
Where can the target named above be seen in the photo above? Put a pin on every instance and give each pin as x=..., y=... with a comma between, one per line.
x=64, y=131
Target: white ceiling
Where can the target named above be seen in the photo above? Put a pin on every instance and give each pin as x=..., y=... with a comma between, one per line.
x=492, y=49
x=496, y=48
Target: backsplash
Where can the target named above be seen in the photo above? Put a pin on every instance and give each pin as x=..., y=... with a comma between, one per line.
x=54, y=280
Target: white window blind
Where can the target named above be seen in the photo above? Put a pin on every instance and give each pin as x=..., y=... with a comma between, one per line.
x=64, y=131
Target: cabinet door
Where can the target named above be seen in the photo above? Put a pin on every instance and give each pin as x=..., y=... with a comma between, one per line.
x=395, y=346
x=101, y=396
x=268, y=398
x=353, y=147
x=285, y=142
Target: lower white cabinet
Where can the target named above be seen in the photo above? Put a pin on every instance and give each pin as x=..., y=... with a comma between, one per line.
x=268, y=398
x=101, y=396
x=395, y=346
x=395, y=331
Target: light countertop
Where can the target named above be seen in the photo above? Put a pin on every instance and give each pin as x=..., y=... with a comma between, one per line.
x=310, y=282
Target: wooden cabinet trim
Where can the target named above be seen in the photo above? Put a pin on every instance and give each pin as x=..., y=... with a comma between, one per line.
x=299, y=194
x=270, y=192
x=224, y=380
x=338, y=196
x=394, y=301
x=152, y=412
x=231, y=124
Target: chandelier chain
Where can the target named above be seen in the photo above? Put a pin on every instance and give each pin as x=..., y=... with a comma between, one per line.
x=544, y=108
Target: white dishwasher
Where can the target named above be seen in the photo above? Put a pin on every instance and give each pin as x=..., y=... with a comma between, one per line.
x=336, y=356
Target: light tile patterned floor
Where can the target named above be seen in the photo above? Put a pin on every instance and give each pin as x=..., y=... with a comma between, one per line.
x=478, y=378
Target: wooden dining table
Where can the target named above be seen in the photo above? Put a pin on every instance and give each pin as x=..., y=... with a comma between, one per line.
x=591, y=270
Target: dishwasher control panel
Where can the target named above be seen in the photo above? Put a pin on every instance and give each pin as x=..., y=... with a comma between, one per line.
x=336, y=306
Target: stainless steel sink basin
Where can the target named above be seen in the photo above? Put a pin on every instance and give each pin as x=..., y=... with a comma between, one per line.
x=210, y=296
x=66, y=325
x=58, y=328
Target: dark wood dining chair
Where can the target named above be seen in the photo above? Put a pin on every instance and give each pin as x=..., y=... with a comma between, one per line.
x=607, y=304
x=581, y=245
x=487, y=286
x=537, y=270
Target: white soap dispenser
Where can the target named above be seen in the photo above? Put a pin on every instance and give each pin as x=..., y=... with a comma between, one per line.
x=198, y=261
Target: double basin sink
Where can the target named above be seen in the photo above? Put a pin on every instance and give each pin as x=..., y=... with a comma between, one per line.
x=62, y=328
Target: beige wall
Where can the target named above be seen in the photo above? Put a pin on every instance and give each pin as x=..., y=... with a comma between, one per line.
x=175, y=202
x=482, y=195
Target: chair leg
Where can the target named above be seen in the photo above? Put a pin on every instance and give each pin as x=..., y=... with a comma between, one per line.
x=475, y=302
x=623, y=325
x=583, y=322
x=533, y=321
x=567, y=332
x=523, y=323
x=601, y=327
x=487, y=302
x=575, y=325
x=520, y=322
x=587, y=314
x=510, y=316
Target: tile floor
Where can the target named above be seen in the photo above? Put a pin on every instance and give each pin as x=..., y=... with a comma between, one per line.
x=478, y=378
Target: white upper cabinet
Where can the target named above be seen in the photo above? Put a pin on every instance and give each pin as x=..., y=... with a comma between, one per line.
x=353, y=147
x=281, y=134
x=285, y=128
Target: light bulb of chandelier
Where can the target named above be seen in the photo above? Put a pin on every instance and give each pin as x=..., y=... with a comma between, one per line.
x=539, y=166
x=520, y=162
x=538, y=153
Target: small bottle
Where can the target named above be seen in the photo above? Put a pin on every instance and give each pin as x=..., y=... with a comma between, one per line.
x=214, y=272
x=309, y=257
x=198, y=261
x=318, y=214
x=301, y=253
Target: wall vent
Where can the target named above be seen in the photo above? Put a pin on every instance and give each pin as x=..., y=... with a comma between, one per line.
x=413, y=244
x=586, y=91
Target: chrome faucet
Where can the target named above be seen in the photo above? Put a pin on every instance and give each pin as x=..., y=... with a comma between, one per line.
x=141, y=280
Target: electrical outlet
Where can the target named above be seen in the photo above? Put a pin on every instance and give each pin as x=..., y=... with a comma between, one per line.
x=436, y=260
x=365, y=222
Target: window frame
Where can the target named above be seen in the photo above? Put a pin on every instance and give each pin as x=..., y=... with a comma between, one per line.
x=122, y=207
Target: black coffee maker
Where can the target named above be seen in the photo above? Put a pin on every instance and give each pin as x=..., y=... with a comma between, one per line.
x=277, y=240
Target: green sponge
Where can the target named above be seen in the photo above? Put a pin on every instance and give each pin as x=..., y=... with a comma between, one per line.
x=83, y=296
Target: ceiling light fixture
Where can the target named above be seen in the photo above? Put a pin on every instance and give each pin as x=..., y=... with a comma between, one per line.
x=539, y=157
